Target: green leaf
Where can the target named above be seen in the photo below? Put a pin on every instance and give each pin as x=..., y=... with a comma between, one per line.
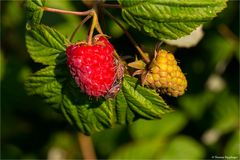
x=183, y=147
x=232, y=146
x=107, y=141
x=225, y=113
x=169, y=125
x=55, y=84
x=195, y=105
x=145, y=102
x=45, y=44
x=145, y=149
x=47, y=83
x=124, y=114
x=169, y=19
x=88, y=115
x=34, y=10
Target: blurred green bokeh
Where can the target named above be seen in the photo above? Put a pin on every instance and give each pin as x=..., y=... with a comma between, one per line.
x=205, y=123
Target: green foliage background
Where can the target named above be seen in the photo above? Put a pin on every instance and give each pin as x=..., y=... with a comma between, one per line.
x=205, y=122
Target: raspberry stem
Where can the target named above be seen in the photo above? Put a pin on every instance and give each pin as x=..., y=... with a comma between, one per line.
x=95, y=24
x=86, y=146
x=80, y=24
x=84, y=13
x=145, y=58
x=105, y=5
x=89, y=13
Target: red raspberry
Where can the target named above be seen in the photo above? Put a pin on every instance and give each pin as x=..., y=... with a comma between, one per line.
x=92, y=66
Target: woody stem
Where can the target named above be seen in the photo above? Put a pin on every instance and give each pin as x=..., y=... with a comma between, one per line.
x=145, y=58
x=94, y=23
x=105, y=5
x=84, y=13
x=82, y=22
x=86, y=146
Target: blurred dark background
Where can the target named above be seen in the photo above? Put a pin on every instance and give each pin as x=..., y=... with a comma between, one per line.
x=206, y=121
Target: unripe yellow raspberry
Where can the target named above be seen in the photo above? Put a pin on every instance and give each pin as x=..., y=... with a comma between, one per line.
x=165, y=75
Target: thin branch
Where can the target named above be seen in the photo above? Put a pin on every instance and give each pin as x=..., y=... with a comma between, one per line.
x=145, y=58
x=86, y=146
x=97, y=26
x=227, y=33
x=85, y=13
x=232, y=38
x=93, y=25
x=105, y=5
x=82, y=22
x=96, y=13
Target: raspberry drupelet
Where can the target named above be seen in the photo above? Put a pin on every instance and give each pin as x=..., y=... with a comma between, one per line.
x=92, y=66
x=165, y=75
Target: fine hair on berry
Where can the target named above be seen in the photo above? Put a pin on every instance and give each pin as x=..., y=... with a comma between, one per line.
x=92, y=65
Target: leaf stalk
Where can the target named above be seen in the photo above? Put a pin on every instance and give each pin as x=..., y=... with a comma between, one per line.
x=84, y=13
x=86, y=146
x=105, y=5
x=80, y=24
x=144, y=56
